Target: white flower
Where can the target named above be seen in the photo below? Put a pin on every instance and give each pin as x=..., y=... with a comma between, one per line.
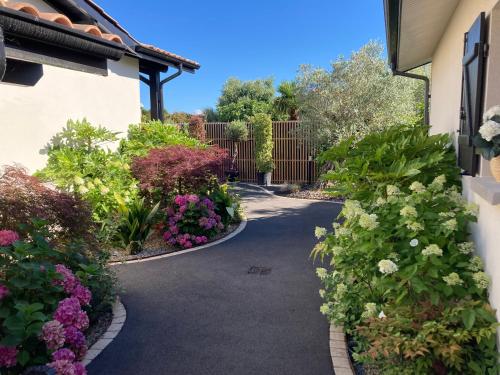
x=368, y=221
x=481, y=279
x=78, y=180
x=322, y=293
x=90, y=185
x=392, y=190
x=370, y=310
x=476, y=264
x=341, y=232
x=492, y=112
x=414, y=243
x=438, y=182
x=471, y=209
x=335, y=226
x=417, y=187
x=321, y=272
x=466, y=247
x=414, y=226
x=408, y=211
x=104, y=190
x=382, y=315
x=83, y=190
x=489, y=130
x=432, y=250
x=446, y=215
x=450, y=225
x=325, y=309
x=387, y=266
x=453, y=279
x=320, y=232
x=337, y=250
x=352, y=209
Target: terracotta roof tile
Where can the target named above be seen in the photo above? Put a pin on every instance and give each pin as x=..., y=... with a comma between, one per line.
x=60, y=19
x=169, y=54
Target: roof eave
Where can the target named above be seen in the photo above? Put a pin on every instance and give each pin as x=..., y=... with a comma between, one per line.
x=392, y=11
x=163, y=59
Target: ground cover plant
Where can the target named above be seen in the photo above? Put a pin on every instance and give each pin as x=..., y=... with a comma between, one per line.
x=404, y=280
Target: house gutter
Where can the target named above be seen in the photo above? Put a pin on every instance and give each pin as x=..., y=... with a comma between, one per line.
x=3, y=57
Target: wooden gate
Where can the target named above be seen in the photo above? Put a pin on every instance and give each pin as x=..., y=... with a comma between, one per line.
x=293, y=154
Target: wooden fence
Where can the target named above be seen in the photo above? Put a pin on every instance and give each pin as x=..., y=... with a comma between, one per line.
x=293, y=154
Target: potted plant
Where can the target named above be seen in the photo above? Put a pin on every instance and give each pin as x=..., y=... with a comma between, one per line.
x=263, y=134
x=488, y=140
x=236, y=132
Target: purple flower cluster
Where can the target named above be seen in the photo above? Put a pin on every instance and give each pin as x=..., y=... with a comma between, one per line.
x=72, y=285
x=4, y=291
x=188, y=214
x=53, y=334
x=8, y=237
x=8, y=356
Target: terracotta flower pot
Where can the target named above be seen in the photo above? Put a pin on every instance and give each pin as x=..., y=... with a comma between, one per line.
x=495, y=168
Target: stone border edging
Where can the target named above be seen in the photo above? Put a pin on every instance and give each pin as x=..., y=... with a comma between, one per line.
x=338, y=352
x=119, y=317
x=235, y=232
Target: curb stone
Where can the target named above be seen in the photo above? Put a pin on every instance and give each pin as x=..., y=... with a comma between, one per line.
x=338, y=352
x=119, y=317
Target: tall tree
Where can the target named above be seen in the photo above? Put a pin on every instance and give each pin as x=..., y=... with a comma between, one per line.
x=287, y=102
x=355, y=97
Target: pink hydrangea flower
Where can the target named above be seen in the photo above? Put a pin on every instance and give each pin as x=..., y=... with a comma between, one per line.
x=82, y=293
x=174, y=229
x=4, y=291
x=63, y=354
x=167, y=235
x=82, y=320
x=193, y=198
x=53, y=334
x=67, y=311
x=8, y=237
x=74, y=337
x=69, y=280
x=8, y=356
x=63, y=367
x=180, y=200
x=79, y=369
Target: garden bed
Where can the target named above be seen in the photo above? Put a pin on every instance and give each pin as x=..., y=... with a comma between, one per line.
x=302, y=192
x=156, y=246
x=98, y=328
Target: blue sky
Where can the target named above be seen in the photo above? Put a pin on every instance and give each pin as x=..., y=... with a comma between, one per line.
x=246, y=39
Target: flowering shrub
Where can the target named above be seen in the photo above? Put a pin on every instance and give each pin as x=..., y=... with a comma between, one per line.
x=177, y=169
x=23, y=197
x=488, y=139
x=191, y=220
x=44, y=305
x=418, y=300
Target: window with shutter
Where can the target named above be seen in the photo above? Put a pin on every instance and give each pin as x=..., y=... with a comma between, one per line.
x=472, y=94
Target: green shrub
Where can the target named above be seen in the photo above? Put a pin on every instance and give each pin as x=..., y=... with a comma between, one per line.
x=263, y=134
x=141, y=138
x=398, y=155
x=237, y=131
x=196, y=128
x=417, y=275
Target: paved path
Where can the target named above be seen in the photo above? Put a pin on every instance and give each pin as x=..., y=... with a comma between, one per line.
x=202, y=313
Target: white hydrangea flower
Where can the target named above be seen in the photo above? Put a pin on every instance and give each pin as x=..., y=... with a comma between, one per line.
x=324, y=309
x=380, y=201
x=368, y=221
x=90, y=185
x=408, y=211
x=337, y=250
x=453, y=279
x=417, y=187
x=341, y=290
x=466, y=247
x=322, y=293
x=83, y=190
x=352, y=209
x=343, y=232
x=392, y=190
x=321, y=272
x=438, y=183
x=78, y=180
x=471, y=209
x=446, y=215
x=382, y=315
x=432, y=249
x=414, y=226
x=97, y=181
x=450, y=225
x=336, y=226
x=476, y=264
x=456, y=197
x=492, y=112
x=489, y=130
x=387, y=266
x=370, y=310
x=481, y=279
x=414, y=242
x=320, y=232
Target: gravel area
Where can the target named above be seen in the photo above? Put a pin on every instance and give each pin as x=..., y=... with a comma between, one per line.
x=157, y=246
x=304, y=192
x=97, y=329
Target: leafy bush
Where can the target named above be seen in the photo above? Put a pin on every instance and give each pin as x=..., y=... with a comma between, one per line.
x=197, y=128
x=177, y=169
x=23, y=197
x=227, y=204
x=399, y=155
x=263, y=134
x=43, y=304
x=141, y=138
x=236, y=132
x=78, y=163
x=191, y=220
x=136, y=225
x=417, y=275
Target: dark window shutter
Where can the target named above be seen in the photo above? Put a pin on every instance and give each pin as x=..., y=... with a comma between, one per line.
x=472, y=94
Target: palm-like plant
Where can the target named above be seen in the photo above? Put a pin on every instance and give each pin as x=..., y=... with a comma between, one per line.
x=287, y=102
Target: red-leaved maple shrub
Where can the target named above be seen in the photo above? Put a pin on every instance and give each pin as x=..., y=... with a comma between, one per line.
x=178, y=169
x=24, y=197
x=197, y=128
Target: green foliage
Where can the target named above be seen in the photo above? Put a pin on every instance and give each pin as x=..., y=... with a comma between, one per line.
x=211, y=115
x=242, y=99
x=398, y=155
x=263, y=134
x=145, y=136
x=237, y=131
x=227, y=204
x=287, y=102
x=136, y=223
x=355, y=97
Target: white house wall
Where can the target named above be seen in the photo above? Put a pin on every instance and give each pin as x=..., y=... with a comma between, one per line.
x=30, y=116
x=445, y=112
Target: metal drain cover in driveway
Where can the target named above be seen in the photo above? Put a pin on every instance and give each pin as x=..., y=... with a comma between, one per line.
x=259, y=270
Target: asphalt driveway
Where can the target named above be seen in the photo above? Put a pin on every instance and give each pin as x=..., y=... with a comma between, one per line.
x=247, y=306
